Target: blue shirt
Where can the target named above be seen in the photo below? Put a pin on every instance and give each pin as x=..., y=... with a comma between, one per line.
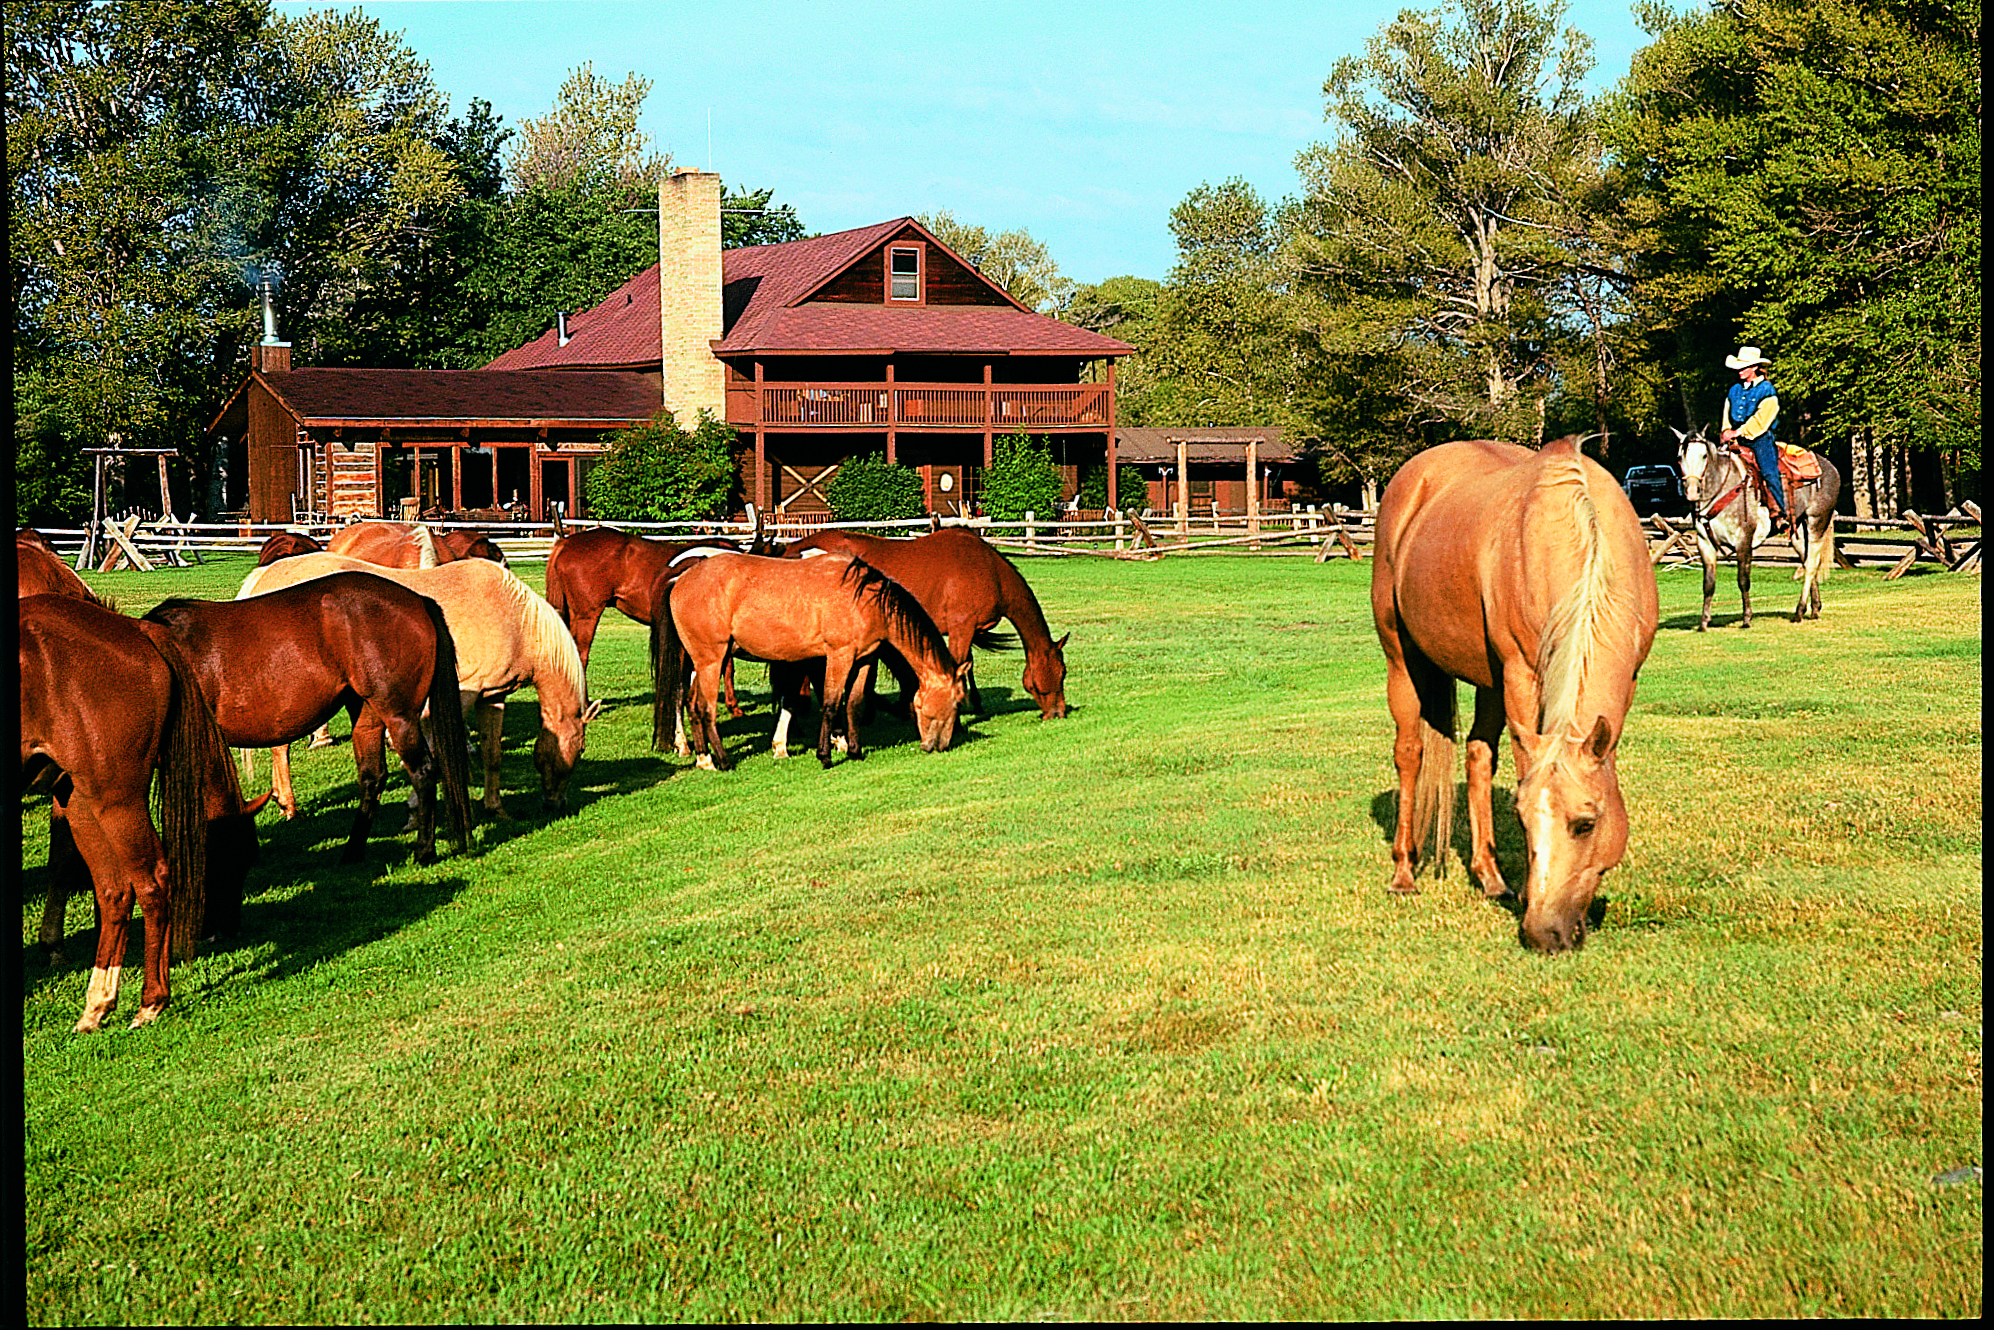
x=1745, y=398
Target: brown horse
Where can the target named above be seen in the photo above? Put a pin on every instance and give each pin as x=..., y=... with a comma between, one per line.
x=590, y=571
x=507, y=637
x=1526, y=574
x=280, y=665
x=284, y=544
x=43, y=574
x=109, y=707
x=966, y=586
x=411, y=544
x=835, y=608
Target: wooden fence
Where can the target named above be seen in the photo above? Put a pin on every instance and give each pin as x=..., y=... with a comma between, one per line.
x=1951, y=541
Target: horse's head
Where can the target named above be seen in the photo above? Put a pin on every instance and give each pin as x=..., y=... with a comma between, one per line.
x=1693, y=457
x=935, y=703
x=1575, y=825
x=1045, y=680
x=556, y=753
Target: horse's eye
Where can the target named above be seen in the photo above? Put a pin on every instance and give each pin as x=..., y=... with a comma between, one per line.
x=1582, y=827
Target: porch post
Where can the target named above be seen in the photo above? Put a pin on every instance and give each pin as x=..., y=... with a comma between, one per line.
x=1113, y=492
x=892, y=418
x=1253, y=492
x=1183, y=488
x=761, y=446
x=989, y=417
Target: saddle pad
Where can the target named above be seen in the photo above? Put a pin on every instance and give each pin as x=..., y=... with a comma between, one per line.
x=1798, y=463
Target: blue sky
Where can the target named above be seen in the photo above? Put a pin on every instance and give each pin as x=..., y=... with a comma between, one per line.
x=1082, y=123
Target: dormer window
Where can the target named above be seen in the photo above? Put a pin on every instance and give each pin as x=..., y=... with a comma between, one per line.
x=903, y=273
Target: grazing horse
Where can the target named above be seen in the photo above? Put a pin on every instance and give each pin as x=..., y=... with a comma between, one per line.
x=1730, y=520
x=833, y=608
x=109, y=707
x=279, y=665
x=43, y=574
x=966, y=586
x=507, y=637
x=1526, y=574
x=284, y=544
x=411, y=544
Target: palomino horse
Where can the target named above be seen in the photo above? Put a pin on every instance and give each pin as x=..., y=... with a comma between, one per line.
x=507, y=638
x=109, y=707
x=411, y=544
x=1730, y=520
x=278, y=666
x=966, y=587
x=1526, y=574
x=788, y=610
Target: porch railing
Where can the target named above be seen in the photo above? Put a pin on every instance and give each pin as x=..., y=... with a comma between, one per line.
x=1003, y=407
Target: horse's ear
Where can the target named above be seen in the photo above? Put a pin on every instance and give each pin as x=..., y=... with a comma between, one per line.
x=962, y=674
x=1600, y=742
x=1681, y=438
x=1531, y=746
x=594, y=709
x=1060, y=645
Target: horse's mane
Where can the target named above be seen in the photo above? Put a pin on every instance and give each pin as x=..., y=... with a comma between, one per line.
x=1595, y=610
x=547, y=637
x=903, y=613
x=425, y=544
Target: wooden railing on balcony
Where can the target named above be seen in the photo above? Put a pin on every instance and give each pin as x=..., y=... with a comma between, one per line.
x=1001, y=407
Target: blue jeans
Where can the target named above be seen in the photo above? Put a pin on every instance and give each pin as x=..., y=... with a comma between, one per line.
x=1768, y=455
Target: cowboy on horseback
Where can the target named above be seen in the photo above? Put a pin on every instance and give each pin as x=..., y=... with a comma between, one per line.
x=1751, y=414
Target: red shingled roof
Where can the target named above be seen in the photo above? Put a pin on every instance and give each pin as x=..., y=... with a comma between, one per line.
x=612, y=397
x=766, y=296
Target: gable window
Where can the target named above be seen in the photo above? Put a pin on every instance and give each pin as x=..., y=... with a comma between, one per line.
x=903, y=274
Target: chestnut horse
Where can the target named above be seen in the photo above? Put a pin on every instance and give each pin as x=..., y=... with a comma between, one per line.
x=282, y=664
x=966, y=586
x=833, y=608
x=1526, y=574
x=41, y=573
x=109, y=707
x=411, y=544
x=507, y=637
x=284, y=544
x=1730, y=519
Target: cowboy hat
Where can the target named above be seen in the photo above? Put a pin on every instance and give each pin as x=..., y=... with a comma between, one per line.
x=1747, y=355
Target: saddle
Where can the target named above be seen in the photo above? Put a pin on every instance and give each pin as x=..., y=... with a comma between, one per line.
x=1797, y=467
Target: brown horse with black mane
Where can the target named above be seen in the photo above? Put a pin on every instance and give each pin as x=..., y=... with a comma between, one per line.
x=108, y=707
x=966, y=586
x=1526, y=574
x=833, y=608
x=278, y=665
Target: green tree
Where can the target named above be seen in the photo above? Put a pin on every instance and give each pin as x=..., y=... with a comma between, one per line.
x=1012, y=259
x=748, y=217
x=1130, y=485
x=661, y=472
x=1804, y=176
x=589, y=140
x=1124, y=308
x=867, y=489
x=1431, y=231
x=1021, y=478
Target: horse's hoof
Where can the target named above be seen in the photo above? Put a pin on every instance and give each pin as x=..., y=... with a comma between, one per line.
x=1406, y=890
x=89, y=1024
x=704, y=762
x=147, y=1015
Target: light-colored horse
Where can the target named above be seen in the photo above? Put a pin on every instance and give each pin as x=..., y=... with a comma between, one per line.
x=1731, y=521
x=507, y=638
x=1526, y=574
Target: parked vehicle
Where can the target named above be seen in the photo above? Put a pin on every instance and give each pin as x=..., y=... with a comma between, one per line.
x=1655, y=489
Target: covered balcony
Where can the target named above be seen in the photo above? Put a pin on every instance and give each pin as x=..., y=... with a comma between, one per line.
x=920, y=406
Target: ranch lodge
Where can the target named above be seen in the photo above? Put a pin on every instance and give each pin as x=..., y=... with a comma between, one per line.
x=874, y=340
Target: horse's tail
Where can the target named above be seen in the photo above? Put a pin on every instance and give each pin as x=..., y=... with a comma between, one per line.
x=192, y=751
x=667, y=673
x=1433, y=792
x=449, y=740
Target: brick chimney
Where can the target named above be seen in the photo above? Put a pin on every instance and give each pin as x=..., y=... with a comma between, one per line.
x=689, y=294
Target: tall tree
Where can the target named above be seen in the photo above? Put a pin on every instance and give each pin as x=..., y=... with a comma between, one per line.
x=1804, y=176
x=1012, y=259
x=589, y=140
x=749, y=217
x=1435, y=219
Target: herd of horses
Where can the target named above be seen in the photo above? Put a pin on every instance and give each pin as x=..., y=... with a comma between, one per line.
x=1522, y=572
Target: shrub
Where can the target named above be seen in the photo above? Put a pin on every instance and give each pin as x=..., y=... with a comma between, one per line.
x=869, y=489
x=51, y=475
x=662, y=473
x=1022, y=479
x=1128, y=481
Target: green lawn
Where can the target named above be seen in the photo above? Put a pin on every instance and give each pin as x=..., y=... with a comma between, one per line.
x=1106, y=1018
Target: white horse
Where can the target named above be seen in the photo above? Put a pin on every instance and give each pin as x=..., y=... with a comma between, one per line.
x=1730, y=520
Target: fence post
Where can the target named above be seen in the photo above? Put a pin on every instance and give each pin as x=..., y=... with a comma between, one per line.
x=1031, y=532
x=1121, y=523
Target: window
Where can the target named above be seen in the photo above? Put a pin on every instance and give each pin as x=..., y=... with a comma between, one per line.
x=903, y=269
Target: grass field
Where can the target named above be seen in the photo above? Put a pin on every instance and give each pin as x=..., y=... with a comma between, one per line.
x=1101, y=1019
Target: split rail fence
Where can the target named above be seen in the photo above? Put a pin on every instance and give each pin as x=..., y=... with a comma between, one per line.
x=1952, y=541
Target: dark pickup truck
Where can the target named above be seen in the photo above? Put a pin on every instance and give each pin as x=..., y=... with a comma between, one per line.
x=1655, y=489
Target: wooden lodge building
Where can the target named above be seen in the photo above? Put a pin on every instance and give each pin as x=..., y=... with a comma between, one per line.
x=875, y=340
